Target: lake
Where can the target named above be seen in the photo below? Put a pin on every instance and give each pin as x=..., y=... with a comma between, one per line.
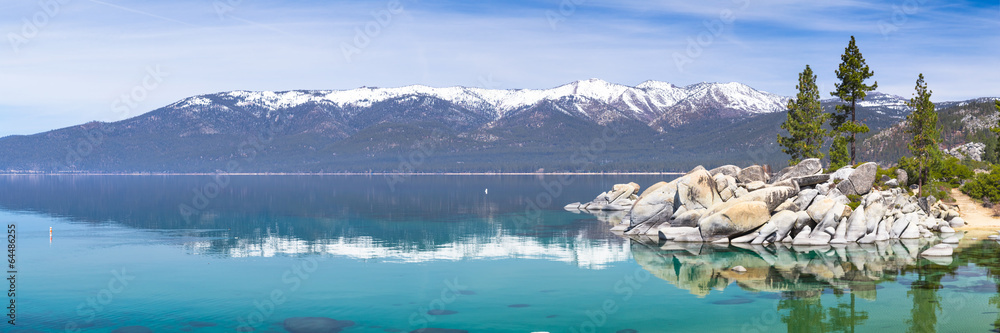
x=474, y=253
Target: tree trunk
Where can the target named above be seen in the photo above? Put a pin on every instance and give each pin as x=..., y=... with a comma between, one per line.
x=852, y=133
x=920, y=179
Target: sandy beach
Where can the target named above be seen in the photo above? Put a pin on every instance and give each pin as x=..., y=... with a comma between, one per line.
x=979, y=219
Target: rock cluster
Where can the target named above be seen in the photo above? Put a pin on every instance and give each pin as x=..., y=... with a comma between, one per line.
x=971, y=150
x=620, y=197
x=799, y=205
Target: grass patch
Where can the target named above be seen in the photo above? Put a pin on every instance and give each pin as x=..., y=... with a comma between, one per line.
x=855, y=201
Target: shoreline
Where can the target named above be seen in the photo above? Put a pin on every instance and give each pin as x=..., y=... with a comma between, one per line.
x=343, y=174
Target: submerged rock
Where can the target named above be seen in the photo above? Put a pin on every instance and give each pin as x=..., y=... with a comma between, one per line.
x=133, y=329
x=733, y=301
x=939, y=250
x=441, y=312
x=315, y=325
x=438, y=330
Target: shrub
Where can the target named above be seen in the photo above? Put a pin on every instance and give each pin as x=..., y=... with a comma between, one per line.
x=889, y=173
x=940, y=190
x=984, y=185
x=855, y=201
x=948, y=169
x=951, y=170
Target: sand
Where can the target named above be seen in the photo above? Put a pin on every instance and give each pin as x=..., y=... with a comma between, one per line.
x=979, y=219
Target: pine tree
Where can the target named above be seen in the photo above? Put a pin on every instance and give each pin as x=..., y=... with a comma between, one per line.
x=805, y=121
x=839, y=156
x=923, y=126
x=852, y=74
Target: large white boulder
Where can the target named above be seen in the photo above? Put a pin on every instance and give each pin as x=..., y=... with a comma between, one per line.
x=655, y=204
x=857, y=225
x=734, y=221
x=807, y=167
x=860, y=181
x=752, y=173
x=818, y=209
x=697, y=190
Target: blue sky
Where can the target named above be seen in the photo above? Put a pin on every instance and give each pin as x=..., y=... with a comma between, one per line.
x=71, y=61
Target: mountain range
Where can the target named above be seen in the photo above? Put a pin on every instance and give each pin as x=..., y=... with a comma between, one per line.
x=589, y=125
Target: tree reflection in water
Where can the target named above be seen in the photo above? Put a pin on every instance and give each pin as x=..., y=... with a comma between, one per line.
x=800, y=275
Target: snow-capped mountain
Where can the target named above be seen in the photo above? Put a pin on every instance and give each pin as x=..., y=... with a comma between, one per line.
x=651, y=126
x=884, y=104
x=659, y=104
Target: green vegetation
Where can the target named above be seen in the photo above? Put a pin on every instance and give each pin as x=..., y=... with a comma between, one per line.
x=838, y=152
x=805, y=121
x=947, y=170
x=852, y=73
x=996, y=130
x=889, y=173
x=985, y=186
x=959, y=123
x=923, y=126
x=855, y=201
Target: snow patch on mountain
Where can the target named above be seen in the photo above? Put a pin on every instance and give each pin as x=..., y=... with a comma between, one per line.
x=882, y=103
x=650, y=97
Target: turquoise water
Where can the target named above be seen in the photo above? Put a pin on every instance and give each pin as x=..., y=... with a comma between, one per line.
x=382, y=253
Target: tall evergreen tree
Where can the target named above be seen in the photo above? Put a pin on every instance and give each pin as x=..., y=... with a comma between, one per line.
x=852, y=74
x=923, y=126
x=839, y=155
x=805, y=121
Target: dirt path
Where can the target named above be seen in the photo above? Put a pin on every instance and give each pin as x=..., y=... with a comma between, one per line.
x=977, y=216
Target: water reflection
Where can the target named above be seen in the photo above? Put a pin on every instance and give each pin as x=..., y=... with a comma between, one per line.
x=424, y=218
x=700, y=268
x=799, y=276
x=428, y=219
x=593, y=254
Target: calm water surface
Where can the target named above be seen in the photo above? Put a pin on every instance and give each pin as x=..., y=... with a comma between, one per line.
x=197, y=254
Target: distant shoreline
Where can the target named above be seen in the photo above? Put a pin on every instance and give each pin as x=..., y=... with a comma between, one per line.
x=343, y=174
